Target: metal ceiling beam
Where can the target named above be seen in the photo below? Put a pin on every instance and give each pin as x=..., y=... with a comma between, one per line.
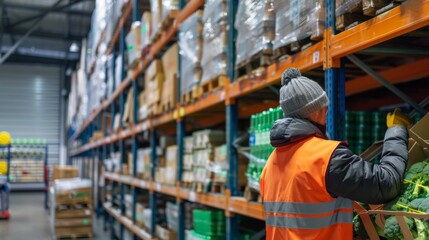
x=46, y=35
x=1, y=23
x=37, y=16
x=31, y=30
x=38, y=8
x=386, y=84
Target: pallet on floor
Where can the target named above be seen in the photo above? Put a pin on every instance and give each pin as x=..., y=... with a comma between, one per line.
x=73, y=213
x=257, y=61
x=252, y=195
x=209, y=86
x=74, y=232
x=74, y=236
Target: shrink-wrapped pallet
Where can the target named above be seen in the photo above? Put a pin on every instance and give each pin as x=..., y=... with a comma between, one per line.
x=298, y=20
x=190, y=44
x=255, y=28
x=214, y=39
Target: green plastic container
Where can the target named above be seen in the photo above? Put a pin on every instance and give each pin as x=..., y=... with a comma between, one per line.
x=210, y=228
x=200, y=236
x=208, y=215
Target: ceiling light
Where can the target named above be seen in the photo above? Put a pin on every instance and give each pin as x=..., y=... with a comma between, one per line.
x=74, y=47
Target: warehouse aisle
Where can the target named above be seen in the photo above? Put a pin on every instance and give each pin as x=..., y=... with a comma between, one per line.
x=30, y=220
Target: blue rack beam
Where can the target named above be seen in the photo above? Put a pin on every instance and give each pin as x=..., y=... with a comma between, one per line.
x=334, y=86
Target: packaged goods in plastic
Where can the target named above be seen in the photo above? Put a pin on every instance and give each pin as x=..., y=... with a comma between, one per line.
x=347, y=6
x=191, y=44
x=214, y=40
x=118, y=71
x=172, y=213
x=156, y=12
x=146, y=29
x=255, y=28
x=134, y=42
x=298, y=20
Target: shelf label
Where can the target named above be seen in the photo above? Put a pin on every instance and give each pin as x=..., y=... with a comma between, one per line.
x=182, y=111
x=316, y=56
x=158, y=187
x=192, y=196
x=175, y=114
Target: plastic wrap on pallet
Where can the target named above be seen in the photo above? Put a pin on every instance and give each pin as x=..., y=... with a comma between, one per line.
x=168, y=6
x=146, y=29
x=189, y=45
x=214, y=40
x=297, y=20
x=110, y=77
x=69, y=184
x=133, y=40
x=346, y=6
x=172, y=213
x=156, y=12
x=118, y=73
x=255, y=28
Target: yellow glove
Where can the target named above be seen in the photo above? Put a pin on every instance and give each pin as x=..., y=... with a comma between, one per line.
x=398, y=119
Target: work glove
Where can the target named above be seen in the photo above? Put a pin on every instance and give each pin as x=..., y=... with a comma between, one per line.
x=397, y=118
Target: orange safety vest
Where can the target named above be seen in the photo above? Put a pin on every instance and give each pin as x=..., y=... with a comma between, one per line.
x=296, y=202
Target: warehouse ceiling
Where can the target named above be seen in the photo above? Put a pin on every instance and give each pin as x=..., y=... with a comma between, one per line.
x=62, y=22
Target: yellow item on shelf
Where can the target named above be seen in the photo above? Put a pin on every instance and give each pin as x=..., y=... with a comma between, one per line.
x=5, y=138
x=3, y=168
x=398, y=119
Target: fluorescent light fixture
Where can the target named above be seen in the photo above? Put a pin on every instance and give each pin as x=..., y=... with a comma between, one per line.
x=74, y=47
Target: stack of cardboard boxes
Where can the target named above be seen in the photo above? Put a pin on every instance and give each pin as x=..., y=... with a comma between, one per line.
x=72, y=208
x=160, y=93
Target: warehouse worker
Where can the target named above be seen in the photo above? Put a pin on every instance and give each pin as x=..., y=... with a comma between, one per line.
x=309, y=181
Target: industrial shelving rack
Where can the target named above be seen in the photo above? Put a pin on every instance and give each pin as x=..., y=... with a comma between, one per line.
x=329, y=54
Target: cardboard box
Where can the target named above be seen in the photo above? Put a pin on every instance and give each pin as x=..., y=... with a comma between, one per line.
x=171, y=156
x=164, y=233
x=61, y=172
x=169, y=62
x=154, y=68
x=420, y=133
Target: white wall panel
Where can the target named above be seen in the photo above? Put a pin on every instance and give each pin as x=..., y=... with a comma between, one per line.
x=30, y=103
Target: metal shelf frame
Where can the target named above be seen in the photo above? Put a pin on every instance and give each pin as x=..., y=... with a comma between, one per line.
x=328, y=53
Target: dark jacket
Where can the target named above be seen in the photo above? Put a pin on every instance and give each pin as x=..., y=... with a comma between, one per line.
x=348, y=175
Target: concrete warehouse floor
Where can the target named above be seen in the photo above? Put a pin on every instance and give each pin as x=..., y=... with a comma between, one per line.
x=29, y=219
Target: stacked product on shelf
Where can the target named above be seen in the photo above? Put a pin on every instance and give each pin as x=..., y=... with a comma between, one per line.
x=160, y=91
x=364, y=128
x=191, y=50
x=169, y=87
x=297, y=24
x=71, y=208
x=348, y=13
x=163, y=13
x=220, y=170
x=146, y=29
x=134, y=43
x=214, y=58
x=188, y=174
x=203, y=146
x=27, y=163
x=260, y=147
x=144, y=163
x=172, y=213
x=167, y=169
x=208, y=224
x=255, y=31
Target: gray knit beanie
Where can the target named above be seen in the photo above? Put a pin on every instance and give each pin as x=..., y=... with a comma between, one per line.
x=300, y=96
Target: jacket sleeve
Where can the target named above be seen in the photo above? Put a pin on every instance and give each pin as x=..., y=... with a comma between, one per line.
x=352, y=177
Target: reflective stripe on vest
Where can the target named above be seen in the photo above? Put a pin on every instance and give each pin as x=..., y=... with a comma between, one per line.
x=332, y=208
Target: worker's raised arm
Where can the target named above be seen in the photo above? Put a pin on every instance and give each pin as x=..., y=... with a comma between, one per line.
x=350, y=176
